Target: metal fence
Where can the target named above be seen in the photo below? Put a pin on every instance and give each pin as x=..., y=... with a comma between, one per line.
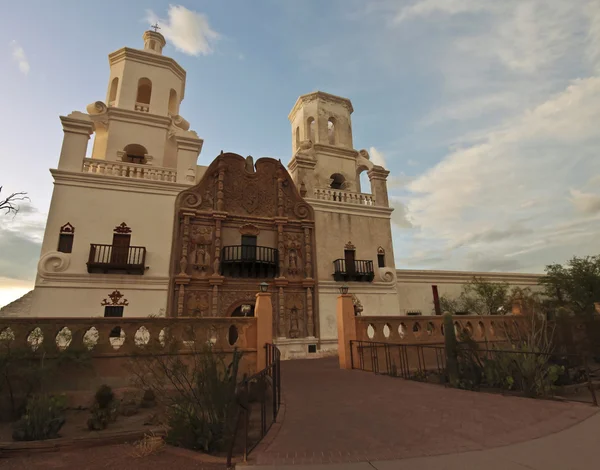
x=427, y=363
x=258, y=401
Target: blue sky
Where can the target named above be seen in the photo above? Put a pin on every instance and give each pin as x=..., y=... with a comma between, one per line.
x=485, y=112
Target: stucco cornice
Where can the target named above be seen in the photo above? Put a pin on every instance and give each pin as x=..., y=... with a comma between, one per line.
x=128, y=115
x=319, y=95
x=351, y=209
x=117, y=183
x=99, y=281
x=455, y=277
x=334, y=151
x=136, y=55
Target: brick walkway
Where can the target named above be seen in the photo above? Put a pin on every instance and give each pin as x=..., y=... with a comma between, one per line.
x=335, y=416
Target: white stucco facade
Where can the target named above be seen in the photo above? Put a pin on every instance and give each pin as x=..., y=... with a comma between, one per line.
x=144, y=155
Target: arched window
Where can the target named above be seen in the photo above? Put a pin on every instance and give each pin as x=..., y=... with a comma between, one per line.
x=331, y=136
x=310, y=129
x=135, y=153
x=297, y=137
x=112, y=95
x=173, y=103
x=144, y=91
x=362, y=179
x=381, y=257
x=65, y=238
x=337, y=181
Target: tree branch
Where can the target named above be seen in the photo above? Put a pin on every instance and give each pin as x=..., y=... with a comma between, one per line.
x=8, y=204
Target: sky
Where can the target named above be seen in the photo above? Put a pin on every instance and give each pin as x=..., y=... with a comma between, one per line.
x=486, y=112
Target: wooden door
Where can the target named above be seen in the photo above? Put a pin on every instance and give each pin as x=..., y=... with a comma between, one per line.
x=248, y=248
x=120, y=248
x=349, y=258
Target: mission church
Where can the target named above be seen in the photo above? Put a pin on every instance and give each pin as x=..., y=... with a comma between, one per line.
x=139, y=228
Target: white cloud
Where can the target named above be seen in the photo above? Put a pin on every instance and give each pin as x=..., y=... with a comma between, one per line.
x=188, y=30
x=377, y=157
x=485, y=196
x=426, y=8
x=585, y=203
x=19, y=56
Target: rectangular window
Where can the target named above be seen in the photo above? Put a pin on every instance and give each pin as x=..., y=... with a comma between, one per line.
x=381, y=260
x=65, y=242
x=248, y=247
x=113, y=311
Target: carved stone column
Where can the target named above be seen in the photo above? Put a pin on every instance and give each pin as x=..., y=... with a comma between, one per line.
x=215, y=282
x=281, y=249
x=220, y=193
x=180, y=300
x=217, y=258
x=281, y=326
x=308, y=250
x=310, y=321
x=183, y=261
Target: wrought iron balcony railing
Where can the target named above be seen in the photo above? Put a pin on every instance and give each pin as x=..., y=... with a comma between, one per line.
x=360, y=270
x=111, y=258
x=249, y=261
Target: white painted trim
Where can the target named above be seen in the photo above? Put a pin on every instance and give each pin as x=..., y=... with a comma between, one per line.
x=351, y=209
x=455, y=277
x=117, y=183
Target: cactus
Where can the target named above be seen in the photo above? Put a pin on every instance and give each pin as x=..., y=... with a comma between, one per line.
x=451, y=347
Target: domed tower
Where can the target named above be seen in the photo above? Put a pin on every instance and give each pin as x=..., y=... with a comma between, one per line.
x=145, y=90
x=352, y=221
x=110, y=221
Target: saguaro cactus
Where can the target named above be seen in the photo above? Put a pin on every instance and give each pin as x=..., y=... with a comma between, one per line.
x=451, y=350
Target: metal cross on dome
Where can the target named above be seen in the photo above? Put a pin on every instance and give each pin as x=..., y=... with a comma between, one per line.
x=155, y=27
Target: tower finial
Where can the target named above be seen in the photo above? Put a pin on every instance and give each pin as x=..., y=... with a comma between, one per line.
x=155, y=27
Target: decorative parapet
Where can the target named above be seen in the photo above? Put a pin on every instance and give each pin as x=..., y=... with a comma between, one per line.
x=128, y=336
x=347, y=197
x=429, y=329
x=129, y=170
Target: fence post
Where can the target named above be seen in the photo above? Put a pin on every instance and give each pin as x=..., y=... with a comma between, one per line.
x=346, y=325
x=264, y=327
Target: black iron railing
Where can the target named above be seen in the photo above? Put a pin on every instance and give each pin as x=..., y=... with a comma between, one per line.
x=249, y=261
x=259, y=399
x=111, y=258
x=360, y=270
x=427, y=363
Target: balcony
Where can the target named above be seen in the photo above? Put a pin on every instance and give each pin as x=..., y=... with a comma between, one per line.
x=129, y=170
x=347, y=197
x=249, y=261
x=358, y=271
x=116, y=259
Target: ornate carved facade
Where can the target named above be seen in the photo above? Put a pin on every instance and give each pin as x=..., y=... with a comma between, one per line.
x=241, y=225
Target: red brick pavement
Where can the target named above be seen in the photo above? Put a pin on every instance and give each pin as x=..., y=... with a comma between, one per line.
x=334, y=415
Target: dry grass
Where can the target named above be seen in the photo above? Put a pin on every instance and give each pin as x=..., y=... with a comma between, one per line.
x=150, y=444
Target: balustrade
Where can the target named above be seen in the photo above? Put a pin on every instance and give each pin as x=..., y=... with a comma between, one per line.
x=129, y=170
x=127, y=336
x=344, y=196
x=430, y=329
x=143, y=107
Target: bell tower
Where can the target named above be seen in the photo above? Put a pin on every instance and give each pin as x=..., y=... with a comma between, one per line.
x=140, y=121
x=352, y=223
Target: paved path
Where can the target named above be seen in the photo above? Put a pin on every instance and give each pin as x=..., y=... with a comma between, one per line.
x=336, y=416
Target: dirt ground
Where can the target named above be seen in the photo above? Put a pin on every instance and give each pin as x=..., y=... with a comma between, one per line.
x=115, y=456
x=76, y=425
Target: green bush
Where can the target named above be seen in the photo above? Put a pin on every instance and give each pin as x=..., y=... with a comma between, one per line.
x=104, y=410
x=43, y=418
x=196, y=390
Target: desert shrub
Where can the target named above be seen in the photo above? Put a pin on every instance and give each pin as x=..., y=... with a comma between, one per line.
x=25, y=371
x=43, y=418
x=197, y=391
x=150, y=444
x=104, y=410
